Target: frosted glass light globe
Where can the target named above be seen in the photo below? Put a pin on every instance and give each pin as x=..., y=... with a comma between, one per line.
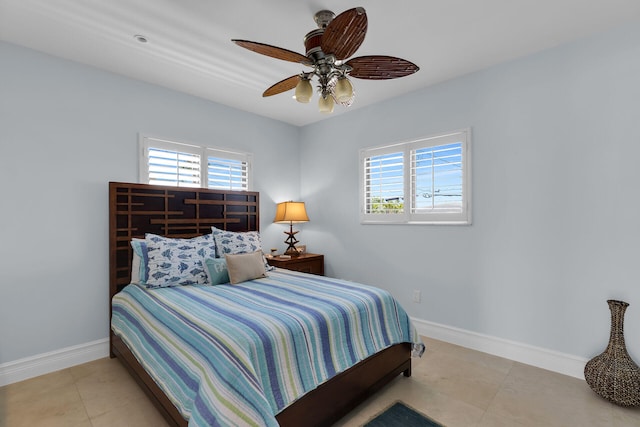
x=325, y=104
x=304, y=91
x=343, y=90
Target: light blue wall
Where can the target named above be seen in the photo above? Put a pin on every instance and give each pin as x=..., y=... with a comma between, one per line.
x=556, y=212
x=66, y=130
x=555, y=181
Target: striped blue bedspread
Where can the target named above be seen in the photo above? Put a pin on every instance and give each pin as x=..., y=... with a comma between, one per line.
x=239, y=354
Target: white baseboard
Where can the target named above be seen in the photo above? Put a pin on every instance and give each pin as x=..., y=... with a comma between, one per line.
x=566, y=364
x=562, y=363
x=52, y=361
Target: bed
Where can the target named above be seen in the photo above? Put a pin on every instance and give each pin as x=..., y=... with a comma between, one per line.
x=136, y=210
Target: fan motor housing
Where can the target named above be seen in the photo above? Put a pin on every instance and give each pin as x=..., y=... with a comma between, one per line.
x=313, y=41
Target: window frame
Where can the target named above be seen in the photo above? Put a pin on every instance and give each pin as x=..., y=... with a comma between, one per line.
x=463, y=217
x=145, y=142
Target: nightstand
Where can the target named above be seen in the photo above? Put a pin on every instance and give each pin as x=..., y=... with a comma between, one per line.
x=306, y=263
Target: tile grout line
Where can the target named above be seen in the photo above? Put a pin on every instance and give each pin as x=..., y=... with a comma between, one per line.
x=504, y=379
x=84, y=406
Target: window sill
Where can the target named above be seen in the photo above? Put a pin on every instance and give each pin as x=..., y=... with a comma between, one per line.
x=415, y=222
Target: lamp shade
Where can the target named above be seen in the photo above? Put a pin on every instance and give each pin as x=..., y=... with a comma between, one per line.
x=291, y=212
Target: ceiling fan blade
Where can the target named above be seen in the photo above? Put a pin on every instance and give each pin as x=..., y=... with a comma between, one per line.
x=273, y=51
x=379, y=67
x=345, y=33
x=282, y=86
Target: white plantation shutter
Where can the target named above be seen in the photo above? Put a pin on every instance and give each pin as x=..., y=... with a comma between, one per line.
x=227, y=170
x=176, y=164
x=437, y=176
x=420, y=181
x=383, y=177
x=169, y=167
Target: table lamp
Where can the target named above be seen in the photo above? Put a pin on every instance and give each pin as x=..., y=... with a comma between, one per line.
x=291, y=212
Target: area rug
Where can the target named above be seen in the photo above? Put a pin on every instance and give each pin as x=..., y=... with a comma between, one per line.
x=400, y=415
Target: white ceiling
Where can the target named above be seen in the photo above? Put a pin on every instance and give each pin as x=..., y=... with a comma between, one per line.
x=189, y=47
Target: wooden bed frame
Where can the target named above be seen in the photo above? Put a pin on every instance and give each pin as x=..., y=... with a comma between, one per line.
x=136, y=209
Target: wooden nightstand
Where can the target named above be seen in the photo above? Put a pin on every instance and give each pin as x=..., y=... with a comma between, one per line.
x=306, y=263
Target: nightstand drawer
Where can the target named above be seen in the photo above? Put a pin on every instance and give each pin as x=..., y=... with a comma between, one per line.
x=305, y=263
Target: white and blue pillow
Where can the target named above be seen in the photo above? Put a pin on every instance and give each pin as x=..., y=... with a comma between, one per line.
x=177, y=262
x=233, y=242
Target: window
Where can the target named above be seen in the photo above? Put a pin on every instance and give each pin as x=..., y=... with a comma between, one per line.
x=183, y=165
x=416, y=182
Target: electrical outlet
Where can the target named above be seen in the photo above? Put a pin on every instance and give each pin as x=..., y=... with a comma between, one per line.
x=416, y=296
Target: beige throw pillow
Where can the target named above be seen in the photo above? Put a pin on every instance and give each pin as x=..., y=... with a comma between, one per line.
x=243, y=267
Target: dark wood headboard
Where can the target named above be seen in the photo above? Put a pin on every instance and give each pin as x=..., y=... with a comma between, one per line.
x=136, y=209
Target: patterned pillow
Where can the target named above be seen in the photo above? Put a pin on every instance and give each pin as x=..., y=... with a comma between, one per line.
x=176, y=262
x=232, y=242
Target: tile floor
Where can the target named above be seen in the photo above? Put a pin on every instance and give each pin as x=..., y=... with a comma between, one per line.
x=451, y=384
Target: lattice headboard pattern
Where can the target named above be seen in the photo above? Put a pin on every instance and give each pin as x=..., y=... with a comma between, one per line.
x=136, y=209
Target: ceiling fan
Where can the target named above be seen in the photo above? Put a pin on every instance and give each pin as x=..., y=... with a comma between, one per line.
x=327, y=51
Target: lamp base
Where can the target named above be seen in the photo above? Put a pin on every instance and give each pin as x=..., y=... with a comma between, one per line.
x=291, y=241
x=293, y=252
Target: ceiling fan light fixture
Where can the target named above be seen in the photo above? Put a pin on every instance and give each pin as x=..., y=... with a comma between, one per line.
x=329, y=50
x=343, y=90
x=325, y=103
x=304, y=91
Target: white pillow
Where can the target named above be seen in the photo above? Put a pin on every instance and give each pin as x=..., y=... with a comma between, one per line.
x=138, y=265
